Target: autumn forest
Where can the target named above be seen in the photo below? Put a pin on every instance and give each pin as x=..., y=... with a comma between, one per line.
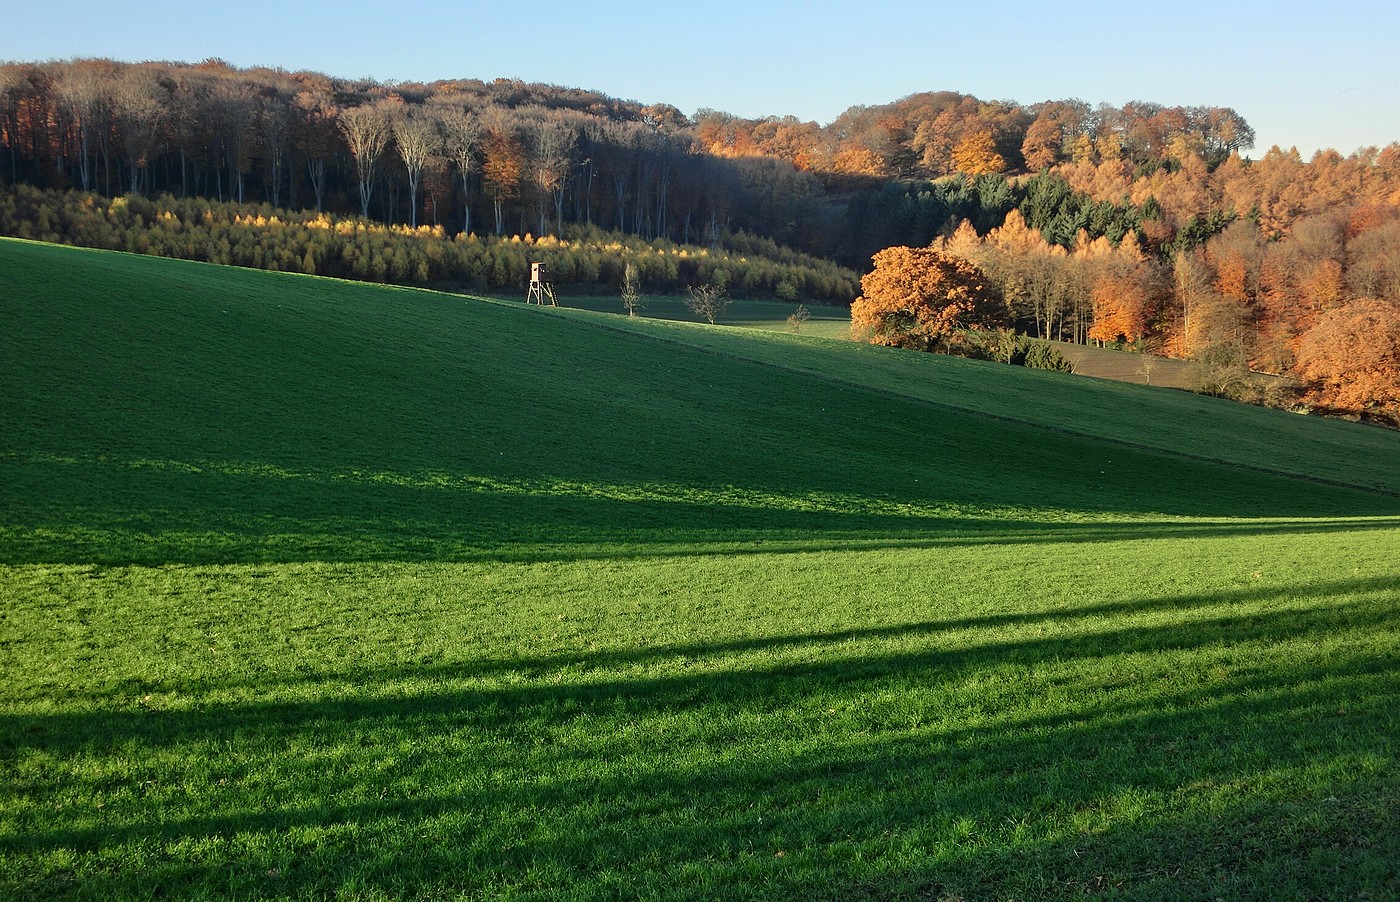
x=1146, y=227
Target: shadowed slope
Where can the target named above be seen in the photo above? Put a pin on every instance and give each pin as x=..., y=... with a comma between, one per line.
x=162, y=411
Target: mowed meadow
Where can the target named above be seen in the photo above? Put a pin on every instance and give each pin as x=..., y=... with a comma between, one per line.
x=318, y=589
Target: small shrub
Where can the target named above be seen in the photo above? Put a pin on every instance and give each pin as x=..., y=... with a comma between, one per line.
x=1042, y=355
x=798, y=318
x=631, y=289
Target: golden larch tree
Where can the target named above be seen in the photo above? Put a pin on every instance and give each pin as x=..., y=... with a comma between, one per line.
x=977, y=154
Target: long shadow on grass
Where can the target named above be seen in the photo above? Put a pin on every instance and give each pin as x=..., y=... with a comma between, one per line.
x=912, y=771
x=590, y=676
x=944, y=634
x=100, y=512
x=1192, y=789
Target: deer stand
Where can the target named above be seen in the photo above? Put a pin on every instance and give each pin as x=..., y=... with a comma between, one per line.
x=540, y=288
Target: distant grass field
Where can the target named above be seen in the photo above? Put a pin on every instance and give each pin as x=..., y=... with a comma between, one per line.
x=317, y=589
x=835, y=322
x=825, y=322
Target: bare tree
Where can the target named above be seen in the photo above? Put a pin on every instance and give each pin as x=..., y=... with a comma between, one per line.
x=709, y=301
x=1148, y=367
x=11, y=86
x=462, y=141
x=189, y=98
x=623, y=139
x=231, y=110
x=86, y=93
x=417, y=137
x=141, y=102
x=316, y=134
x=366, y=129
x=274, y=118
x=553, y=143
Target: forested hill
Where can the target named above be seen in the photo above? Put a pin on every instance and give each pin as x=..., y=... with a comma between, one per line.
x=511, y=157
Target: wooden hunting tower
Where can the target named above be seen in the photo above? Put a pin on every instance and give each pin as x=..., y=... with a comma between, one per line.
x=540, y=288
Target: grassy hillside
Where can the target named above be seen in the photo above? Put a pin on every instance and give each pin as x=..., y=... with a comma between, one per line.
x=320, y=588
x=835, y=322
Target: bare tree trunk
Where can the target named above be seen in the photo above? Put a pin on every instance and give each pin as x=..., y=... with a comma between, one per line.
x=466, y=205
x=620, y=198
x=663, y=184
x=316, y=169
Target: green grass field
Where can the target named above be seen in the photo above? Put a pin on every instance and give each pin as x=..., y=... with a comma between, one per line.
x=320, y=589
x=768, y=315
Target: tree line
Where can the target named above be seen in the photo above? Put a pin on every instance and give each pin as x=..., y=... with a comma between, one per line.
x=263, y=237
x=510, y=157
x=934, y=134
x=1312, y=321
x=506, y=157
x=501, y=157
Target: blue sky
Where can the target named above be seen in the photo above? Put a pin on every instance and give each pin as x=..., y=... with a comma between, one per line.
x=1311, y=75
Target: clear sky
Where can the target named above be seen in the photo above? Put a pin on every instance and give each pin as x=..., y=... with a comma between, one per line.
x=1309, y=74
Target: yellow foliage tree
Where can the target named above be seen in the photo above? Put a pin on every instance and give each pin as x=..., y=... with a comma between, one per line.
x=977, y=154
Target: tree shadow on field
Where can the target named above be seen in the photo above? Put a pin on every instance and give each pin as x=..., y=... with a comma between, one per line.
x=1228, y=626
x=153, y=513
x=894, y=765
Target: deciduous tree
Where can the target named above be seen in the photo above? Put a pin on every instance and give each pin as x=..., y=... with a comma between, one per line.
x=1351, y=359
x=85, y=90
x=141, y=103
x=275, y=120
x=316, y=134
x=417, y=137
x=505, y=163
x=1042, y=145
x=462, y=140
x=631, y=289
x=917, y=297
x=230, y=117
x=366, y=129
x=977, y=154
x=552, y=144
x=1124, y=295
x=708, y=300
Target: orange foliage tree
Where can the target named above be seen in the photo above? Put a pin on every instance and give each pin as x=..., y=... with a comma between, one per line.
x=1123, y=295
x=1351, y=359
x=917, y=297
x=1121, y=307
